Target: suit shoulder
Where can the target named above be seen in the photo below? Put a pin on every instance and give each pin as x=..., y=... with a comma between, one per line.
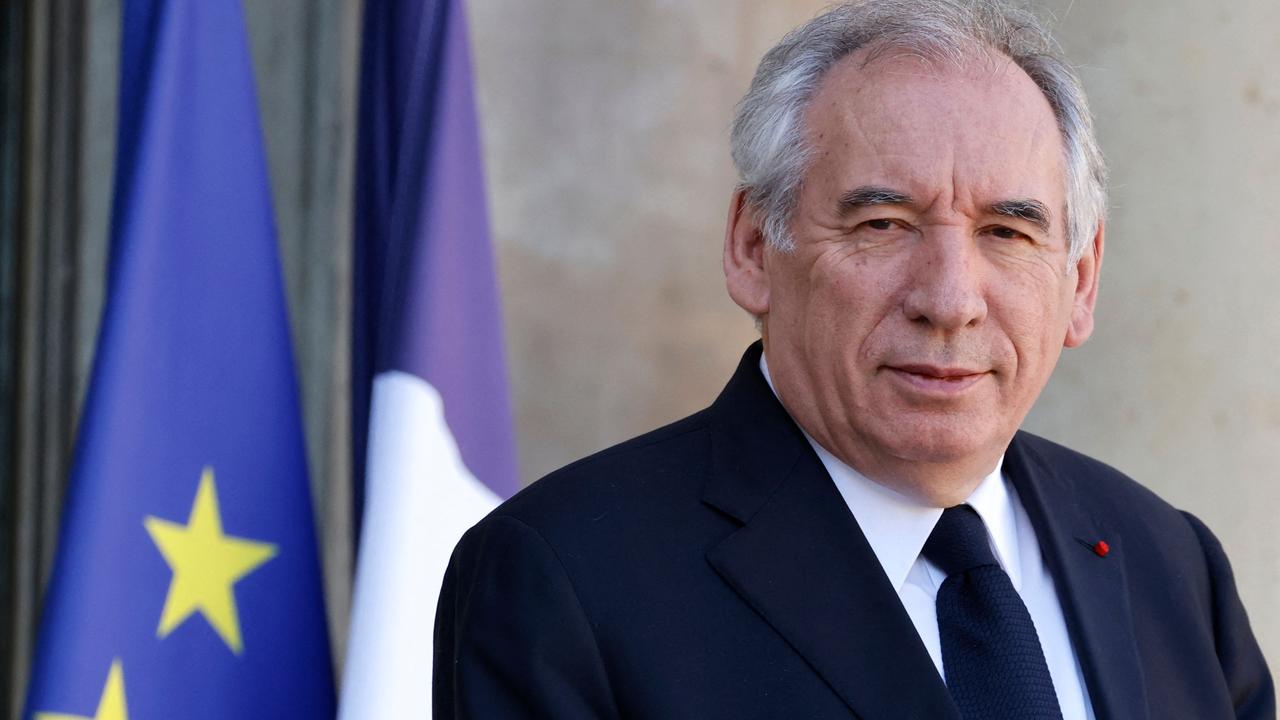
x=653, y=447
x=664, y=466
x=1096, y=480
x=1159, y=539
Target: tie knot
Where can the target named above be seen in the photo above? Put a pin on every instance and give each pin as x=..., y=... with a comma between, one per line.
x=959, y=541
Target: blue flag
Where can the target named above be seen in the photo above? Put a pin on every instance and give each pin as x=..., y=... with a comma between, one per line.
x=186, y=583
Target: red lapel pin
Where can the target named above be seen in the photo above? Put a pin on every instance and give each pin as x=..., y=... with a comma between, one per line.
x=1100, y=548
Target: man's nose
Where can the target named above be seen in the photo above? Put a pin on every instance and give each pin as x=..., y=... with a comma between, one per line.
x=946, y=287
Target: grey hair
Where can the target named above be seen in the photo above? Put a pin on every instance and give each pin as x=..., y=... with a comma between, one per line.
x=769, y=143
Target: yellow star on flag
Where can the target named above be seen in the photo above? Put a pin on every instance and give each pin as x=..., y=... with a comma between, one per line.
x=110, y=707
x=206, y=564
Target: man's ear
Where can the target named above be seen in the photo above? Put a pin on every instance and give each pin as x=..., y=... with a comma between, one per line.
x=744, y=273
x=1086, y=296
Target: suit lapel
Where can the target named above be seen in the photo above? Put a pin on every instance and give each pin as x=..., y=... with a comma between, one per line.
x=1092, y=589
x=802, y=563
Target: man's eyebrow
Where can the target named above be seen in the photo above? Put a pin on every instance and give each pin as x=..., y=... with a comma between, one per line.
x=871, y=195
x=1033, y=211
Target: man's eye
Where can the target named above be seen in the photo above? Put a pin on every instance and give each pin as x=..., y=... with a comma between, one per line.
x=1006, y=233
x=880, y=224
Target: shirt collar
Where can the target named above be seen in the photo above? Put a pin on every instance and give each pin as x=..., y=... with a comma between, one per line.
x=994, y=503
x=897, y=526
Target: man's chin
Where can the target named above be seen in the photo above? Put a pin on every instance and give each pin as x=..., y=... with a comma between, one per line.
x=944, y=444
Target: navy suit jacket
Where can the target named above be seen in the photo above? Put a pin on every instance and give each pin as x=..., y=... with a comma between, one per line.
x=710, y=569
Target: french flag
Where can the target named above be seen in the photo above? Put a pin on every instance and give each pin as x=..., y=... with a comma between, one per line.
x=429, y=379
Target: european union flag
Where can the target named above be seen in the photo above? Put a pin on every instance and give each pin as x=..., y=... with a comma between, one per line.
x=186, y=583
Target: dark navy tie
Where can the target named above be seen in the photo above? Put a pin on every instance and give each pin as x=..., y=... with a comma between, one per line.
x=994, y=665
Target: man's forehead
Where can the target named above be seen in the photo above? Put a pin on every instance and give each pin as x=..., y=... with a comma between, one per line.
x=978, y=131
x=903, y=93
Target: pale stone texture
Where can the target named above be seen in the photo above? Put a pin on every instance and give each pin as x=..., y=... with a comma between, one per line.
x=606, y=130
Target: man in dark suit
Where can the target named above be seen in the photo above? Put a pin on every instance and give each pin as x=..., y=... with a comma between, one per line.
x=856, y=527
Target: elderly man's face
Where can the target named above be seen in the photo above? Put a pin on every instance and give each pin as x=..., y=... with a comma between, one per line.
x=929, y=293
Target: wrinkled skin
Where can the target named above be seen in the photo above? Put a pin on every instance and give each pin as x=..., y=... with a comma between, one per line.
x=911, y=337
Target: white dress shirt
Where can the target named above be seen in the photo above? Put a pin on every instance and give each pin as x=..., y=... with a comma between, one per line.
x=897, y=527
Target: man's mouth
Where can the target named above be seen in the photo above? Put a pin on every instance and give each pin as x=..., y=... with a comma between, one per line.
x=934, y=379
